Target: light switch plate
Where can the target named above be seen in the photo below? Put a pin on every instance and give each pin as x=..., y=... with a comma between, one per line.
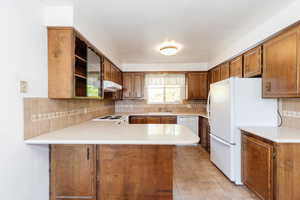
x=23, y=86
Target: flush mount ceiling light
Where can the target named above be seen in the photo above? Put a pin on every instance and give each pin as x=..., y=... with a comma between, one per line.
x=169, y=48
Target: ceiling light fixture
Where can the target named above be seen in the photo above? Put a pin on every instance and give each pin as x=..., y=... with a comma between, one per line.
x=169, y=48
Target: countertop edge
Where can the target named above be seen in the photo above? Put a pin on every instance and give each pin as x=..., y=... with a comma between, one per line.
x=278, y=130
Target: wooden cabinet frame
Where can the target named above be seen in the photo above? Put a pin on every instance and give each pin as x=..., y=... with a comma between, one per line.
x=253, y=62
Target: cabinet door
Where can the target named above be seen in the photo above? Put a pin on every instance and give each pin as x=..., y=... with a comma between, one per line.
x=135, y=172
x=236, y=67
x=197, y=85
x=138, y=85
x=216, y=74
x=120, y=77
x=127, y=85
x=169, y=120
x=107, y=70
x=113, y=74
x=204, y=133
x=281, y=65
x=224, y=71
x=252, y=63
x=137, y=120
x=73, y=172
x=257, y=166
x=153, y=120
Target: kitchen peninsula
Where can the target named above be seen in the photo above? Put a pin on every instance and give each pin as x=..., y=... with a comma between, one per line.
x=104, y=160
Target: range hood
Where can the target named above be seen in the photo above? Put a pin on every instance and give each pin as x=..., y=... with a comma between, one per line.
x=110, y=86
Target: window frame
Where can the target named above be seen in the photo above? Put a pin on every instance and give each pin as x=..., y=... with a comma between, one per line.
x=164, y=87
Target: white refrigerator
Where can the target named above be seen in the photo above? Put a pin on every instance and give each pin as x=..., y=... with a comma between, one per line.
x=233, y=103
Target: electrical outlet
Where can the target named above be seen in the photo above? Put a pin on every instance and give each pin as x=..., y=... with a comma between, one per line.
x=23, y=86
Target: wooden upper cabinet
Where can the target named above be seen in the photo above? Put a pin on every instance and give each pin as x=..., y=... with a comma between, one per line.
x=70, y=57
x=60, y=63
x=73, y=172
x=127, y=85
x=197, y=85
x=133, y=85
x=216, y=74
x=138, y=85
x=281, y=65
x=253, y=62
x=107, y=70
x=224, y=71
x=236, y=67
x=257, y=163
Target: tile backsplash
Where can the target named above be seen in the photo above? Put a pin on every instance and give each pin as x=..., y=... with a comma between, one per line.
x=290, y=111
x=42, y=115
x=141, y=106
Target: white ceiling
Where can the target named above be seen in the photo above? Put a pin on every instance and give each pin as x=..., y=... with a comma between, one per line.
x=134, y=28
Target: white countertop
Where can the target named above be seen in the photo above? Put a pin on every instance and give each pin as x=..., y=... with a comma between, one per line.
x=163, y=114
x=275, y=134
x=93, y=132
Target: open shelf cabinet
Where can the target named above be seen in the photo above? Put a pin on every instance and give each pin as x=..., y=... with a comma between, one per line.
x=75, y=66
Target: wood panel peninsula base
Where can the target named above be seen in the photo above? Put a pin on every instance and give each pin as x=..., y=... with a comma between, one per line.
x=111, y=172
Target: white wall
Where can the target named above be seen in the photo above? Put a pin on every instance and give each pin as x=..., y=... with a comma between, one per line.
x=58, y=15
x=284, y=18
x=23, y=168
x=86, y=23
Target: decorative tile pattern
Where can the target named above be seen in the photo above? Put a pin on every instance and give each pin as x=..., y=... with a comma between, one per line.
x=141, y=106
x=42, y=115
x=290, y=111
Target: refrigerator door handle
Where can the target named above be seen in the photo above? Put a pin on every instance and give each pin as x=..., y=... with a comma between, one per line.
x=208, y=107
x=221, y=141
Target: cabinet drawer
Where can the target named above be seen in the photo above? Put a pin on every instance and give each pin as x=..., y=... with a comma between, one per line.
x=169, y=120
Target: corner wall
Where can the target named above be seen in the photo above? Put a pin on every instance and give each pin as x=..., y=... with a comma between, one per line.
x=23, y=39
x=283, y=19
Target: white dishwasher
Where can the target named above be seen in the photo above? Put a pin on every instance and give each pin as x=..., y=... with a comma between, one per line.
x=191, y=122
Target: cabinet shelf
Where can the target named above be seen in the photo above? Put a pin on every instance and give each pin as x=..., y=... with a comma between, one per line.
x=80, y=58
x=80, y=76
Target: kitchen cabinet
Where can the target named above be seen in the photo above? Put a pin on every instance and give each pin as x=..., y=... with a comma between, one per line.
x=205, y=134
x=236, y=67
x=128, y=172
x=153, y=120
x=216, y=74
x=270, y=169
x=197, y=85
x=281, y=67
x=70, y=58
x=117, y=95
x=224, y=71
x=257, y=163
x=133, y=85
x=109, y=172
x=137, y=120
x=73, y=172
x=111, y=72
x=107, y=70
x=168, y=120
x=253, y=62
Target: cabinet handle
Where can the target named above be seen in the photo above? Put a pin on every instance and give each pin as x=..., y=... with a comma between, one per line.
x=268, y=86
x=88, y=154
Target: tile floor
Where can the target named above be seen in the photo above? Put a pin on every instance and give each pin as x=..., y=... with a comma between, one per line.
x=196, y=178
